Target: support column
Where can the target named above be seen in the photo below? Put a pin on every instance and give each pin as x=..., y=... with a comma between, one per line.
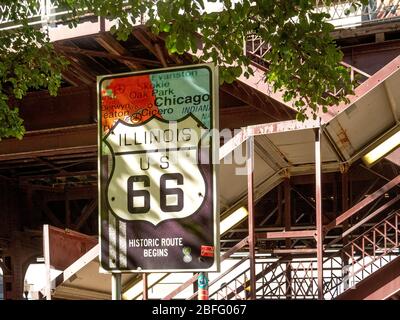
x=278, y=220
x=67, y=211
x=116, y=286
x=288, y=225
x=16, y=261
x=145, y=287
x=30, y=215
x=318, y=209
x=8, y=288
x=250, y=204
x=345, y=206
x=202, y=283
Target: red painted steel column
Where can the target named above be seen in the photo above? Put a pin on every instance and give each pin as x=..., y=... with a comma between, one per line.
x=250, y=199
x=145, y=287
x=345, y=206
x=318, y=208
x=288, y=242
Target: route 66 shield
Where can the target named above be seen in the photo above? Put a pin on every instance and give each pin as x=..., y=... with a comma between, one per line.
x=155, y=174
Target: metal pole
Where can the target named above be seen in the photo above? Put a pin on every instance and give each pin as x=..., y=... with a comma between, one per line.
x=345, y=206
x=250, y=199
x=202, y=283
x=102, y=23
x=116, y=286
x=145, y=287
x=318, y=207
x=288, y=242
x=47, y=263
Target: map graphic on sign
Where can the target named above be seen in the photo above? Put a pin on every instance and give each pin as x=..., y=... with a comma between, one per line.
x=158, y=192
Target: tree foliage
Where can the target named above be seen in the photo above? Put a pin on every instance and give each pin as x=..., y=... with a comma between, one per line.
x=303, y=59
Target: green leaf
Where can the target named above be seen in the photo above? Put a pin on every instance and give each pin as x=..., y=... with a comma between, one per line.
x=180, y=45
x=165, y=27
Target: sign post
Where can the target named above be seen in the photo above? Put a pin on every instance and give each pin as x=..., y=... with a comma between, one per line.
x=157, y=181
x=116, y=293
x=202, y=283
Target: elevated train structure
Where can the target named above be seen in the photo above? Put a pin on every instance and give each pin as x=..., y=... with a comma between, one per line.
x=319, y=222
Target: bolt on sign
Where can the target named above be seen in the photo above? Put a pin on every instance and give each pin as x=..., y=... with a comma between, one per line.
x=157, y=181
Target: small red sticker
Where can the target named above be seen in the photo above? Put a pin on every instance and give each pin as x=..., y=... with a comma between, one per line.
x=207, y=251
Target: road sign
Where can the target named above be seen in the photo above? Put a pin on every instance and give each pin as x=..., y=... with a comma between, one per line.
x=158, y=193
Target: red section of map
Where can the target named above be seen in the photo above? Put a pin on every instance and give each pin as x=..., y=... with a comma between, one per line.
x=130, y=99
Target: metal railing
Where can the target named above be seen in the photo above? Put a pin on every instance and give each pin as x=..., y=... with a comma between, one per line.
x=342, y=14
x=256, y=49
x=45, y=14
x=297, y=278
x=34, y=15
x=370, y=251
x=282, y=279
x=238, y=287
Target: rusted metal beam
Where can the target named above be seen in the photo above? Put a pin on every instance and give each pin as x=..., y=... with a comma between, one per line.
x=261, y=129
x=372, y=215
x=150, y=45
x=282, y=126
x=291, y=251
x=82, y=192
x=160, y=55
x=72, y=106
x=363, y=30
x=256, y=82
x=372, y=197
x=50, y=164
x=73, y=79
x=87, y=211
x=377, y=173
x=54, y=220
x=236, y=92
x=77, y=67
x=108, y=42
x=98, y=65
x=239, y=115
x=67, y=140
x=94, y=53
x=255, y=97
x=368, y=86
x=295, y=234
x=64, y=174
